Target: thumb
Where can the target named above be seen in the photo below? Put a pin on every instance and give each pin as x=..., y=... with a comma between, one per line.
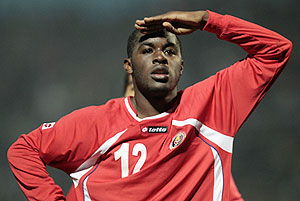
x=170, y=27
x=177, y=31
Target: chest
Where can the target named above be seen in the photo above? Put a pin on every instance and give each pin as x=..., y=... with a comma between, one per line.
x=152, y=158
x=153, y=145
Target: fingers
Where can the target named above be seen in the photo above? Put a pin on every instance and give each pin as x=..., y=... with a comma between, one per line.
x=151, y=23
x=181, y=30
x=155, y=24
x=170, y=27
x=147, y=29
x=174, y=27
x=176, y=22
x=159, y=19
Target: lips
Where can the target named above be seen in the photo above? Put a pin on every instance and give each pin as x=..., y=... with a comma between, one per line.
x=160, y=73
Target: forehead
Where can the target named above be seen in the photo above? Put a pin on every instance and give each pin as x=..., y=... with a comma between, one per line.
x=166, y=36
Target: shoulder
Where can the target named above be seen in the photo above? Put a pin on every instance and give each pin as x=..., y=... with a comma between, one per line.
x=92, y=112
x=203, y=87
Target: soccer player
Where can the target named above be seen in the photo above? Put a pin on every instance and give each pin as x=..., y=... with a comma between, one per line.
x=161, y=144
x=234, y=194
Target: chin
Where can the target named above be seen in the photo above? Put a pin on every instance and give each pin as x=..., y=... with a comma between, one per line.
x=160, y=91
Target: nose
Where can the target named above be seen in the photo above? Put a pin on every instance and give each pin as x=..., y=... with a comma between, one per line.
x=159, y=58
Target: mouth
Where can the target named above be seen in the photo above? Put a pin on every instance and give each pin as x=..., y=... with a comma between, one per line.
x=160, y=74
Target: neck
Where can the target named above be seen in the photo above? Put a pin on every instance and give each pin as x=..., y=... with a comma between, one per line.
x=147, y=107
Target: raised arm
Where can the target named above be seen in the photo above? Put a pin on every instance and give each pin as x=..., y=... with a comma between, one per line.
x=240, y=87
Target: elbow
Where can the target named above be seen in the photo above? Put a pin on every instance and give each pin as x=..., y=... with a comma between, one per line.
x=288, y=46
x=12, y=153
x=16, y=151
x=286, y=49
x=282, y=53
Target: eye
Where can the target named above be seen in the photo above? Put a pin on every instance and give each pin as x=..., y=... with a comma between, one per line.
x=147, y=51
x=170, y=52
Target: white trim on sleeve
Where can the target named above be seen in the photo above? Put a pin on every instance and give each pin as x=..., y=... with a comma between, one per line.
x=89, y=163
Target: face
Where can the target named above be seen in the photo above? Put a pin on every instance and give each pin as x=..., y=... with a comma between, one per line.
x=156, y=64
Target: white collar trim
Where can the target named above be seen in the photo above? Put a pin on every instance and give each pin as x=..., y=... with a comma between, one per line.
x=133, y=114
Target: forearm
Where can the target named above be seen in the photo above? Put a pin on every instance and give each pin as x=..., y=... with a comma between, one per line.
x=239, y=88
x=262, y=44
x=31, y=173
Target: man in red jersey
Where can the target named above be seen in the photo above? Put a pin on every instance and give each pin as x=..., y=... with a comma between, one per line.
x=161, y=144
x=234, y=193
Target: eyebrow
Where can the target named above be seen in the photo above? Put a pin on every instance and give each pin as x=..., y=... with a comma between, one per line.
x=168, y=44
x=145, y=44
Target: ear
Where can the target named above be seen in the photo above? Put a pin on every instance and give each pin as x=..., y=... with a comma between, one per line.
x=181, y=69
x=127, y=66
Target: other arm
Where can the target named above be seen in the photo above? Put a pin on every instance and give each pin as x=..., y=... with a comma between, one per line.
x=30, y=170
x=63, y=145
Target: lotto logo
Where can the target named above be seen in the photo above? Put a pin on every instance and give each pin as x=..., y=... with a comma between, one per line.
x=48, y=125
x=155, y=129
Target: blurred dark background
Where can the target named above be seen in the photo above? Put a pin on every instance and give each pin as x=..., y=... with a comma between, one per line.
x=57, y=56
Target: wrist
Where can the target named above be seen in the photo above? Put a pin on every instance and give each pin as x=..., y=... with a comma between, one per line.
x=204, y=15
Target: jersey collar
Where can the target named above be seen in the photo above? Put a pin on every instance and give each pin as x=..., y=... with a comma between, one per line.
x=133, y=112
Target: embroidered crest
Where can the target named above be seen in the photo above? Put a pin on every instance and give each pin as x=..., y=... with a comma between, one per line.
x=177, y=140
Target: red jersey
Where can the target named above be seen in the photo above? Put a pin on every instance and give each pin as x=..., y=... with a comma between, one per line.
x=183, y=154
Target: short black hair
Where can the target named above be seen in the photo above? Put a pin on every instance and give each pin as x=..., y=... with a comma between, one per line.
x=133, y=39
x=131, y=42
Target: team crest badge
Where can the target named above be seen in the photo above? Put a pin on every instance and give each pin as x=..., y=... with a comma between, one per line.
x=177, y=140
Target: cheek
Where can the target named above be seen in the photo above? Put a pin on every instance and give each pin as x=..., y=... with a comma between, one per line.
x=138, y=73
x=139, y=65
x=177, y=68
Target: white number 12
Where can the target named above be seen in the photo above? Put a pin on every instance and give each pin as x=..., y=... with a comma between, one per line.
x=123, y=153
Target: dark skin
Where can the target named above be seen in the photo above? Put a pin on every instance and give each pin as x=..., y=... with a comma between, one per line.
x=156, y=63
